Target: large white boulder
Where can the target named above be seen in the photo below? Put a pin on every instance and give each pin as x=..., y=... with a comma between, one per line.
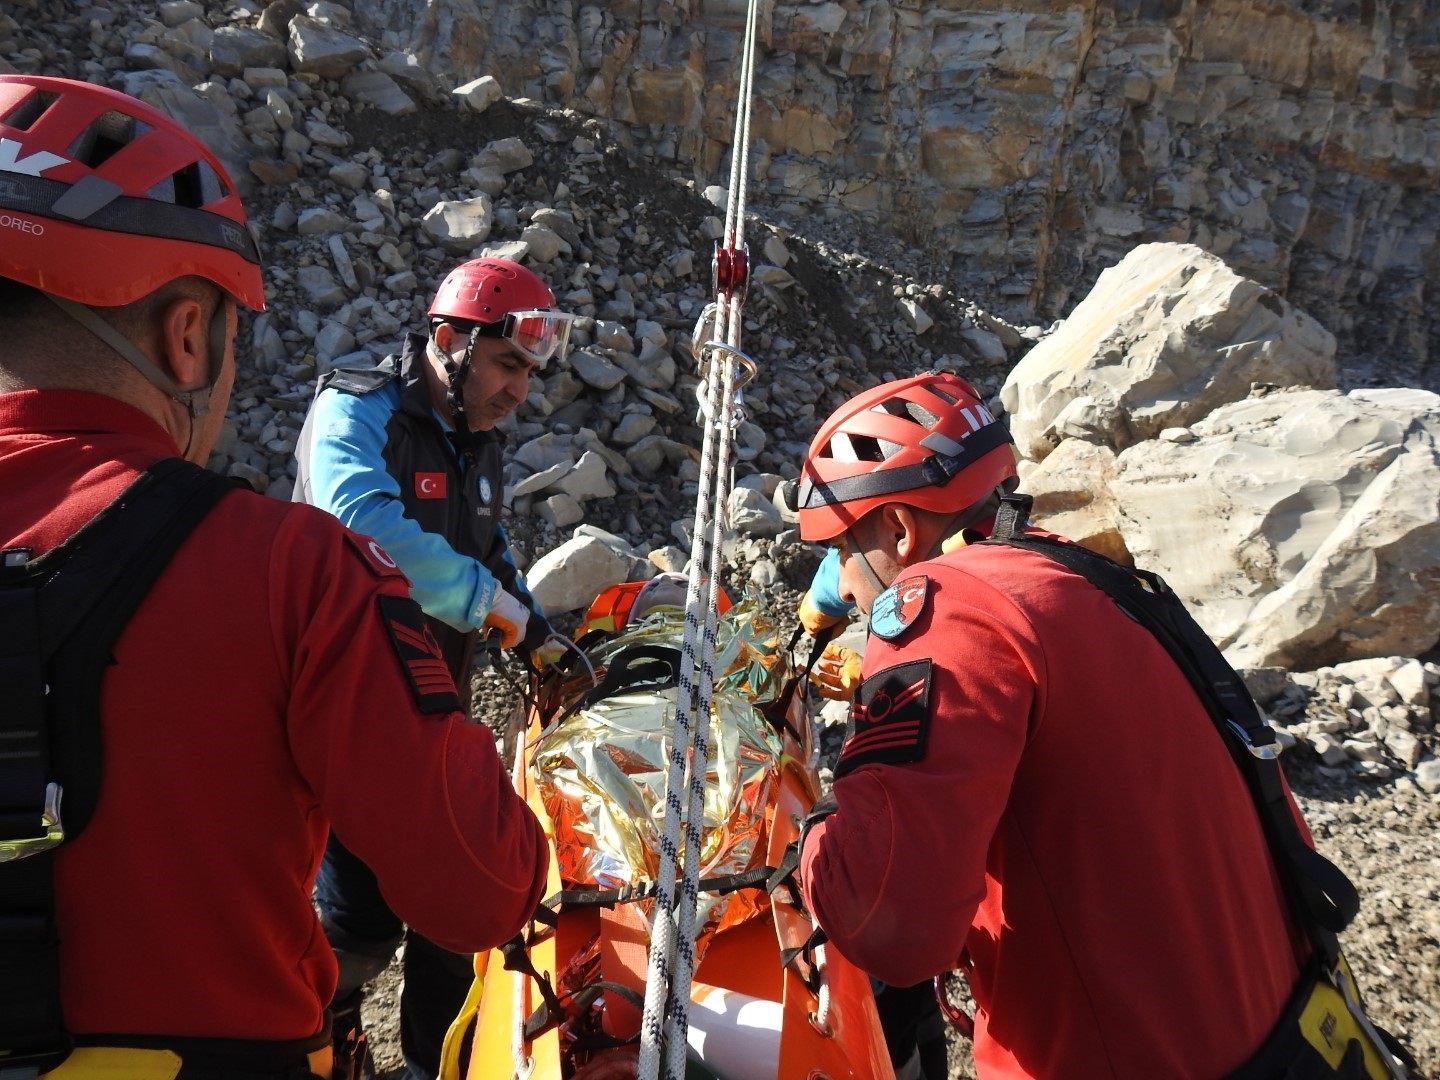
x=573, y=574
x=1302, y=528
x=1166, y=335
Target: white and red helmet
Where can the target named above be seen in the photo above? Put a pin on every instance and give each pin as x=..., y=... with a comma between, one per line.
x=926, y=441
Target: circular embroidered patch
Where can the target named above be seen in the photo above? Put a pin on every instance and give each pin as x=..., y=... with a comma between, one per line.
x=485, y=492
x=896, y=609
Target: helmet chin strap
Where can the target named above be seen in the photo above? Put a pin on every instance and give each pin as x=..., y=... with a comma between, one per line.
x=196, y=402
x=455, y=385
x=852, y=541
x=977, y=511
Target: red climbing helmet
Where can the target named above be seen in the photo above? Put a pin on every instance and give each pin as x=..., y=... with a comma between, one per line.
x=103, y=199
x=927, y=441
x=506, y=300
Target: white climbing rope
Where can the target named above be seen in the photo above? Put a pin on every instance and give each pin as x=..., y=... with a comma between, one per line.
x=672, y=945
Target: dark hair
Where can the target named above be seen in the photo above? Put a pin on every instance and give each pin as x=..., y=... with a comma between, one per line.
x=20, y=301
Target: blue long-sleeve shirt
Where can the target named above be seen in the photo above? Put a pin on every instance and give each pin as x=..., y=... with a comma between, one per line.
x=375, y=453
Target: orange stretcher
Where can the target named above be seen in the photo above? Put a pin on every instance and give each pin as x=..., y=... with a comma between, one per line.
x=751, y=1015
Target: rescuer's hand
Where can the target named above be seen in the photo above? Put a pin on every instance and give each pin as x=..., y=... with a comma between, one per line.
x=510, y=617
x=813, y=619
x=837, y=673
x=550, y=652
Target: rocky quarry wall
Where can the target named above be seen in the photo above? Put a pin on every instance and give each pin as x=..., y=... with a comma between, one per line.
x=1022, y=147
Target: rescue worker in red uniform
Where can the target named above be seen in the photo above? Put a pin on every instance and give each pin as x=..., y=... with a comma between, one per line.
x=275, y=680
x=1029, y=790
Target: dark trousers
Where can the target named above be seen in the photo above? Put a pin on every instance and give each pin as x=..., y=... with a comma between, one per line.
x=436, y=980
x=914, y=1027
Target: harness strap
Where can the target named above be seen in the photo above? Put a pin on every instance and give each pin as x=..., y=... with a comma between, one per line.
x=769, y=876
x=551, y=1011
x=1322, y=896
x=60, y=616
x=635, y=667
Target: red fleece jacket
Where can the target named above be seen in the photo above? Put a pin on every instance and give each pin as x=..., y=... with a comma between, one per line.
x=255, y=699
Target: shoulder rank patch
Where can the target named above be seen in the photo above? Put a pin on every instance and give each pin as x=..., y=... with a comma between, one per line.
x=896, y=609
x=890, y=720
x=420, y=655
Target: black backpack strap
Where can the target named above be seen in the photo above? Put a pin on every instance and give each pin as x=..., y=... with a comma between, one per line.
x=60, y=615
x=358, y=381
x=1323, y=897
x=1012, y=517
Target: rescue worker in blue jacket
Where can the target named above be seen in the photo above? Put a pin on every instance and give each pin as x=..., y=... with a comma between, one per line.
x=407, y=453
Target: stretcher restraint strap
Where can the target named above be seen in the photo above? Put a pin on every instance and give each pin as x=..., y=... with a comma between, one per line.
x=516, y=951
x=60, y=615
x=672, y=947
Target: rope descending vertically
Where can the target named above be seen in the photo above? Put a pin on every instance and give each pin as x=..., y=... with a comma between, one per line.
x=672, y=946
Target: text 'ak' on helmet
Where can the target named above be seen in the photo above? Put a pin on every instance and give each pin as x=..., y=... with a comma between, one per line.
x=926, y=441
x=104, y=199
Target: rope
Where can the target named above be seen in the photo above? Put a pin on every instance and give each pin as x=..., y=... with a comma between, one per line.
x=672, y=946
x=700, y=761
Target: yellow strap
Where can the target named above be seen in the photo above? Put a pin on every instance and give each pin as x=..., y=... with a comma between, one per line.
x=1329, y=1027
x=117, y=1063
x=130, y=1063
x=455, y=1037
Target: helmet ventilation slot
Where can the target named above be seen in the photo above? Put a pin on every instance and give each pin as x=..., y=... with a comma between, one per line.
x=108, y=135
x=23, y=116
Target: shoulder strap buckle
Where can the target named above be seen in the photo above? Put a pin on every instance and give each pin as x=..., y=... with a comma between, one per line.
x=1012, y=517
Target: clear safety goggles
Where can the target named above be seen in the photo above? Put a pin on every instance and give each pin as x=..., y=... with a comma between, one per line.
x=537, y=335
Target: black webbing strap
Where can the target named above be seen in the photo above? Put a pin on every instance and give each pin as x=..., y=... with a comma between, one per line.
x=105, y=208
x=937, y=470
x=1323, y=897
x=551, y=1011
x=60, y=615
x=548, y=909
x=633, y=668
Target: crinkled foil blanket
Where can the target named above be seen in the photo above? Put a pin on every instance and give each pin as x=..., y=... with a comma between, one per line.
x=602, y=770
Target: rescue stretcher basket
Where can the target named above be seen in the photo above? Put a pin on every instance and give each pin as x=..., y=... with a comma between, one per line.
x=563, y=1002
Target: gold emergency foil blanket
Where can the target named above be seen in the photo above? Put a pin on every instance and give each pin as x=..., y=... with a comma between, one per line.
x=602, y=771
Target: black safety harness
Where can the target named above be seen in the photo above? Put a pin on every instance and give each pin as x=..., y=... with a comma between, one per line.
x=60, y=615
x=1322, y=898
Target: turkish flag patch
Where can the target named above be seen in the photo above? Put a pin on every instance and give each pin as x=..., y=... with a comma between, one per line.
x=890, y=719
x=430, y=485
x=420, y=656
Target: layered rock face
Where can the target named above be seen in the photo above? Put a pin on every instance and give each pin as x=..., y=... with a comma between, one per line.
x=1026, y=145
